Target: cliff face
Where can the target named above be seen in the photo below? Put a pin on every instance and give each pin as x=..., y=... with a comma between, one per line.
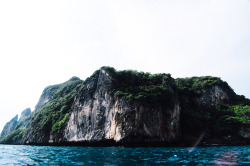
x=24, y=114
x=13, y=130
x=51, y=113
x=99, y=114
x=45, y=97
x=215, y=94
x=10, y=126
x=209, y=105
x=198, y=110
x=130, y=107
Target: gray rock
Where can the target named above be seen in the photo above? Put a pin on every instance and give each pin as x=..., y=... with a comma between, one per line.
x=24, y=114
x=9, y=126
x=99, y=114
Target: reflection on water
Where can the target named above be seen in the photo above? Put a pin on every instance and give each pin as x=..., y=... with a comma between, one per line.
x=34, y=155
x=228, y=158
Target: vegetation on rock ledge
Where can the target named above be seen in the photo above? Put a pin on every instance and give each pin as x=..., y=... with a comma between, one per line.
x=143, y=87
x=217, y=119
x=198, y=85
x=53, y=115
x=51, y=118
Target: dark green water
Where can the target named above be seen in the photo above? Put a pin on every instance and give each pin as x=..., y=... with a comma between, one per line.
x=44, y=155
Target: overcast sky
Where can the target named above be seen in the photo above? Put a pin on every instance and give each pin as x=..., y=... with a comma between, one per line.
x=47, y=42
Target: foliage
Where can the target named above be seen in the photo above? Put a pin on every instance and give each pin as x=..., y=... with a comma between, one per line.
x=53, y=115
x=238, y=114
x=14, y=136
x=140, y=86
x=224, y=119
x=198, y=85
x=24, y=122
x=229, y=118
x=59, y=126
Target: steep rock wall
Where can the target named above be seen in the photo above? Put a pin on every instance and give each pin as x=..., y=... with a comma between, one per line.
x=10, y=126
x=215, y=94
x=130, y=106
x=45, y=97
x=24, y=114
x=99, y=114
x=55, y=104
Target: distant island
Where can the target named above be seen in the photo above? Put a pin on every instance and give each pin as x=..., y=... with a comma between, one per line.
x=131, y=108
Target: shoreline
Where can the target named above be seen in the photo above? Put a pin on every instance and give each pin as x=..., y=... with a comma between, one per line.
x=112, y=143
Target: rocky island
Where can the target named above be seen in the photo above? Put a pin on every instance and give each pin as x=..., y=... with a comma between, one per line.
x=135, y=109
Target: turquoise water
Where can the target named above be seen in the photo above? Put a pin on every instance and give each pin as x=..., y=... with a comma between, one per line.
x=47, y=155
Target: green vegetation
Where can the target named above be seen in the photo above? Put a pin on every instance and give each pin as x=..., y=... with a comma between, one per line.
x=238, y=114
x=59, y=126
x=18, y=133
x=24, y=122
x=51, y=117
x=229, y=118
x=14, y=136
x=222, y=120
x=140, y=86
x=54, y=114
x=217, y=119
x=198, y=85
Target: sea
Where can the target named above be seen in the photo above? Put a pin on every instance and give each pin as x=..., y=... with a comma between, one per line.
x=59, y=155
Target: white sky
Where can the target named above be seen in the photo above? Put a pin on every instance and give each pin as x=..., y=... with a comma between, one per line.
x=47, y=42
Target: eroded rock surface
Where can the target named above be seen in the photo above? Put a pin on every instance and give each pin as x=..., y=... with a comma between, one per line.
x=10, y=126
x=99, y=114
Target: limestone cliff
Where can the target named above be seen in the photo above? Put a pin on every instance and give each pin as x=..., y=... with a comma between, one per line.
x=134, y=107
x=24, y=114
x=45, y=97
x=14, y=130
x=208, y=105
x=51, y=112
x=9, y=126
x=99, y=114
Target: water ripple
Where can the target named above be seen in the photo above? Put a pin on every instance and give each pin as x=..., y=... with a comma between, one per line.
x=112, y=156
